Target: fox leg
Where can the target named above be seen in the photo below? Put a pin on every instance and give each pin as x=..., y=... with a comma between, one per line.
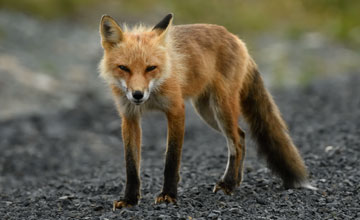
x=175, y=137
x=131, y=133
x=242, y=156
x=226, y=112
x=204, y=110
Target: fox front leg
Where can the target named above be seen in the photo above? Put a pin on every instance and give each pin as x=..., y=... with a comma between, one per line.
x=175, y=137
x=131, y=133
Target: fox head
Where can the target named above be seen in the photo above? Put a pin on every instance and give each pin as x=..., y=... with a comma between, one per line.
x=136, y=61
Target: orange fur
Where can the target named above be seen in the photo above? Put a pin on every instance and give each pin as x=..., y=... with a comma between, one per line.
x=213, y=68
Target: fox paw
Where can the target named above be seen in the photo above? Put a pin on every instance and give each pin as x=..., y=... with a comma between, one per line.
x=227, y=188
x=163, y=197
x=122, y=204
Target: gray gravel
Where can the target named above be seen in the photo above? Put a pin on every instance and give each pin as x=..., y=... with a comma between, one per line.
x=69, y=164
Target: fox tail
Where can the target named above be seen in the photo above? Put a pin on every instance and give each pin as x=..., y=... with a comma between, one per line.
x=270, y=132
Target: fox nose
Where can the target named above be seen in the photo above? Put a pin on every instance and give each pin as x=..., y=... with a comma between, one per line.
x=137, y=95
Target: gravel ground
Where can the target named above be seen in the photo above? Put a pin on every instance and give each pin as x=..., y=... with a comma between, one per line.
x=69, y=164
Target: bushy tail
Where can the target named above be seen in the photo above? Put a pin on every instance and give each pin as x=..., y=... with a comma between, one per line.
x=270, y=132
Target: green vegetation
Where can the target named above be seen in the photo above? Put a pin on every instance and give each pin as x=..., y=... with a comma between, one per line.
x=47, y=9
x=338, y=19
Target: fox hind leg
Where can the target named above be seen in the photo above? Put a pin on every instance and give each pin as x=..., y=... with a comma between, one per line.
x=204, y=110
x=242, y=156
x=226, y=113
x=221, y=113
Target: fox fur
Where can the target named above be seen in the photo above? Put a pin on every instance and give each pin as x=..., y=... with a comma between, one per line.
x=157, y=68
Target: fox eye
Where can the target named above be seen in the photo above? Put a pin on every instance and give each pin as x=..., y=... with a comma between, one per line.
x=150, y=68
x=122, y=67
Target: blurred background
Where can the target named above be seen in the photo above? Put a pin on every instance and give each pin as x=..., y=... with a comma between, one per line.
x=49, y=49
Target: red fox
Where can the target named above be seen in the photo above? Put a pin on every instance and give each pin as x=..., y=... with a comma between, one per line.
x=158, y=68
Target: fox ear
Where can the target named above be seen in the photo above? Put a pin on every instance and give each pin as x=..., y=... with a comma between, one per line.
x=164, y=25
x=110, y=31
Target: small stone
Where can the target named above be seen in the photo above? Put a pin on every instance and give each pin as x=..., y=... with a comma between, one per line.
x=162, y=205
x=328, y=148
x=261, y=201
x=234, y=210
x=66, y=197
x=217, y=212
x=98, y=208
x=212, y=215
